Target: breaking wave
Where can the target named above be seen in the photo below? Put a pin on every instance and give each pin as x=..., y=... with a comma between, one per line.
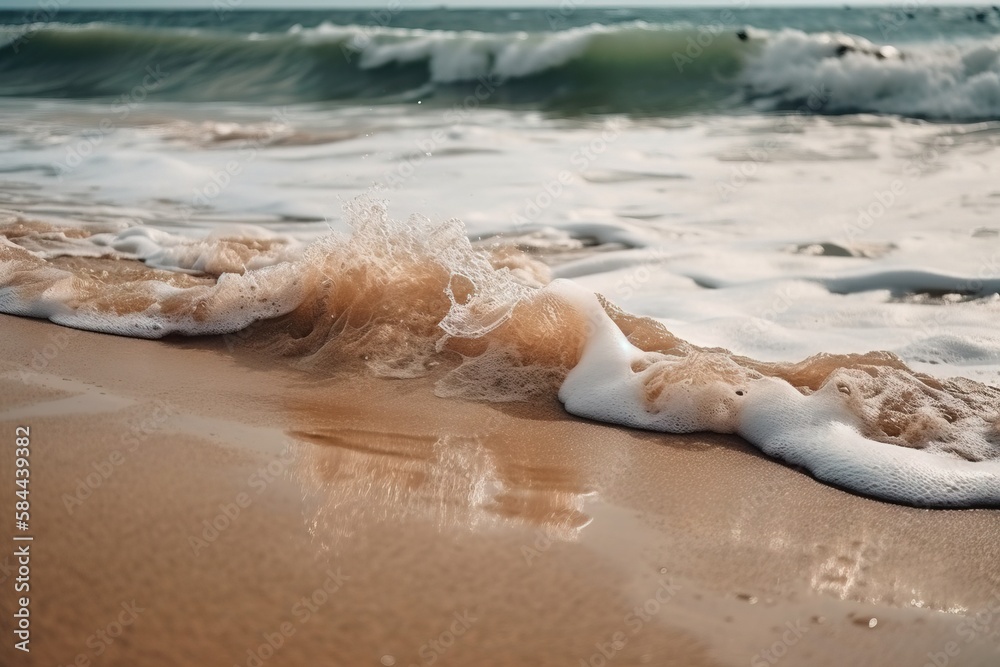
x=635, y=67
x=412, y=298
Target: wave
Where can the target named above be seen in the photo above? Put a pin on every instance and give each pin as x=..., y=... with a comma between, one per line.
x=626, y=68
x=406, y=299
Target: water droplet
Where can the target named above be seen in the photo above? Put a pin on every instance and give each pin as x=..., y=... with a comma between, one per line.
x=388, y=660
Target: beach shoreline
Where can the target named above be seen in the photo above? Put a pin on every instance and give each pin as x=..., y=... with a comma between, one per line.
x=215, y=491
x=368, y=337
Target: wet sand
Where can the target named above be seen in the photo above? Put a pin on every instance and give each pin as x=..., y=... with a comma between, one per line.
x=361, y=521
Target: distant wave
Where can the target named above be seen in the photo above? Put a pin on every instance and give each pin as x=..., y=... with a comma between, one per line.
x=627, y=68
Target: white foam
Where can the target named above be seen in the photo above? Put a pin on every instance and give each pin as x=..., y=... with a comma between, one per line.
x=940, y=81
x=809, y=431
x=461, y=56
x=229, y=249
x=814, y=431
x=232, y=303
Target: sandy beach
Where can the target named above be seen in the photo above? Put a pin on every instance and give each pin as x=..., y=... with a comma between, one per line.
x=508, y=333
x=268, y=517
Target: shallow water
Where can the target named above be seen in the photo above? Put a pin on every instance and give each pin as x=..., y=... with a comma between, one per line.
x=760, y=222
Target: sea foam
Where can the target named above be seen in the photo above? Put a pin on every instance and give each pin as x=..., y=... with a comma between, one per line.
x=818, y=431
x=414, y=297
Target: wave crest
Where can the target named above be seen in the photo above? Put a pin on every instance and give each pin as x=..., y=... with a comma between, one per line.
x=632, y=68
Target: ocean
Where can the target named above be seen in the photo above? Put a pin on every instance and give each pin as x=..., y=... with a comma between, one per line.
x=566, y=60
x=789, y=214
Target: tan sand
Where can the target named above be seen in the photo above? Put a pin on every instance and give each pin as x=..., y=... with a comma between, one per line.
x=426, y=531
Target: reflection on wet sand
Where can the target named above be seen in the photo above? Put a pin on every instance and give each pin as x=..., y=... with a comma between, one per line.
x=859, y=563
x=353, y=478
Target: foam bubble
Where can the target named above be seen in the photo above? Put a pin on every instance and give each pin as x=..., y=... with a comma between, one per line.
x=111, y=294
x=408, y=298
x=822, y=430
